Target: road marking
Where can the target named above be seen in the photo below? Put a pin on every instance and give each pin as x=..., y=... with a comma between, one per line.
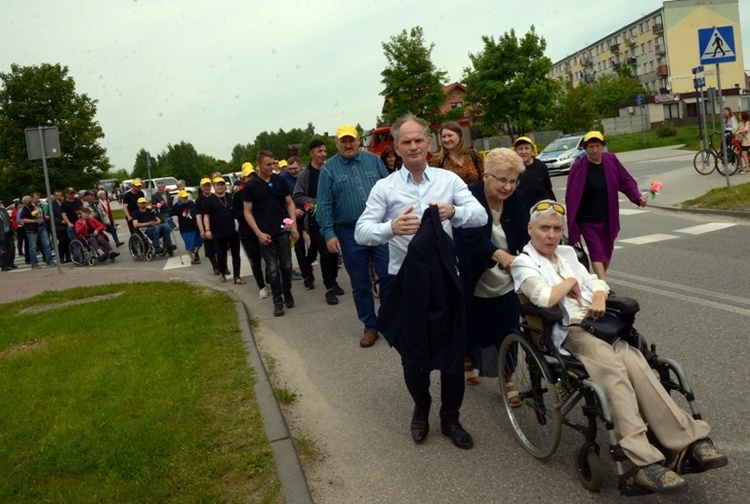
x=174, y=262
x=653, y=238
x=702, y=301
x=629, y=211
x=705, y=228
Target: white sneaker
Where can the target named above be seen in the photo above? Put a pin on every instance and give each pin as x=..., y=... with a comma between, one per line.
x=264, y=292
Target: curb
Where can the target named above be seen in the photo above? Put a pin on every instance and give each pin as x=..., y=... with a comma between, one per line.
x=706, y=211
x=288, y=466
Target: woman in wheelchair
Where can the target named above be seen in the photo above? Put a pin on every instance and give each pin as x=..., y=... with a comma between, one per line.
x=91, y=230
x=550, y=275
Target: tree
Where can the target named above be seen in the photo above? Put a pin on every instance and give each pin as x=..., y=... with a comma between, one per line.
x=582, y=106
x=282, y=144
x=45, y=96
x=412, y=82
x=509, y=84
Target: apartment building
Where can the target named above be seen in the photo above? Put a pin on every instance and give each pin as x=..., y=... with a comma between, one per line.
x=661, y=49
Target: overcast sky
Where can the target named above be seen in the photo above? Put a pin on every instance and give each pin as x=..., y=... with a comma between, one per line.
x=216, y=73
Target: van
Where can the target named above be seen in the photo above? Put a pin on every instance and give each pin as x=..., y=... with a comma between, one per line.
x=111, y=186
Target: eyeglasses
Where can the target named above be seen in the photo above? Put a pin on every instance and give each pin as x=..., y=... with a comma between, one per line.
x=544, y=205
x=504, y=181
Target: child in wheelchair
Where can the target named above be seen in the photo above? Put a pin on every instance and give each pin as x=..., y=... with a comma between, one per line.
x=89, y=229
x=550, y=275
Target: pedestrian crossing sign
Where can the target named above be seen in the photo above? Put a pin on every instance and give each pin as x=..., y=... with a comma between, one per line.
x=716, y=45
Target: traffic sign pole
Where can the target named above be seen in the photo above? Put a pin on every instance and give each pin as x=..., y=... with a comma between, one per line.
x=724, y=146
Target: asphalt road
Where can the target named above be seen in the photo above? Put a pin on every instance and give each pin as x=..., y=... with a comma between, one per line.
x=691, y=283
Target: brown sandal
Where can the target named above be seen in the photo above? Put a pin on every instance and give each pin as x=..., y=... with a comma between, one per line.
x=239, y=281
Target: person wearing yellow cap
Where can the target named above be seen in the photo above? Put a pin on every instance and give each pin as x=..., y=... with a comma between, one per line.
x=534, y=182
x=281, y=166
x=343, y=188
x=219, y=227
x=130, y=201
x=248, y=240
x=593, y=205
x=155, y=228
x=185, y=211
x=206, y=188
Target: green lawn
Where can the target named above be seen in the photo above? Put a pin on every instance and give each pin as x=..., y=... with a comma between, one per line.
x=735, y=198
x=142, y=397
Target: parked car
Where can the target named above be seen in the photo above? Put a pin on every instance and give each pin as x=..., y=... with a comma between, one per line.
x=560, y=155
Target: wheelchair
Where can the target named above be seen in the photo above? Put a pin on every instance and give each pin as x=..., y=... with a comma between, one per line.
x=82, y=253
x=140, y=247
x=550, y=386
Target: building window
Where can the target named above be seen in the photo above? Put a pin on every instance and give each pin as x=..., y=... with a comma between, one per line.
x=648, y=45
x=457, y=104
x=671, y=111
x=657, y=19
x=646, y=23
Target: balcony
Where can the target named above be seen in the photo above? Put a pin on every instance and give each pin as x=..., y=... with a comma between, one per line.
x=660, y=50
x=586, y=62
x=662, y=70
x=632, y=41
x=657, y=28
x=632, y=61
x=616, y=67
x=615, y=48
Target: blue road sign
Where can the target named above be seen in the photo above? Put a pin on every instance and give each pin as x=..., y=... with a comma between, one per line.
x=716, y=45
x=639, y=99
x=698, y=70
x=699, y=82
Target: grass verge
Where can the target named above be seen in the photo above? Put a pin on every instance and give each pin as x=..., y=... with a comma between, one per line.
x=734, y=198
x=138, y=398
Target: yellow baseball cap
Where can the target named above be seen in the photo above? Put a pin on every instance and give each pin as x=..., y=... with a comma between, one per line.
x=283, y=163
x=142, y=200
x=247, y=169
x=347, y=130
x=137, y=182
x=205, y=180
x=219, y=180
x=593, y=135
x=182, y=194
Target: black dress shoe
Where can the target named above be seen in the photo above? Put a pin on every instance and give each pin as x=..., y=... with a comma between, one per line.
x=420, y=425
x=337, y=290
x=458, y=435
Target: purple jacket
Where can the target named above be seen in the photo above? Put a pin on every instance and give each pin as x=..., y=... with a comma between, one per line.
x=618, y=179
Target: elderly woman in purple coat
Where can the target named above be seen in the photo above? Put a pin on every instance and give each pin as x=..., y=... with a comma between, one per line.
x=592, y=201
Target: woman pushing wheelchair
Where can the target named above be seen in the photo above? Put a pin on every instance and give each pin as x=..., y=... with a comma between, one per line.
x=550, y=275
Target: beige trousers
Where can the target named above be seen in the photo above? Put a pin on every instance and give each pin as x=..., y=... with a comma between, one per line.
x=637, y=400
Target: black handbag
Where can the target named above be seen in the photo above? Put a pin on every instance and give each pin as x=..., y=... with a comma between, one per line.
x=609, y=328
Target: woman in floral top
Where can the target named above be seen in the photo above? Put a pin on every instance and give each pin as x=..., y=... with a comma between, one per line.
x=456, y=157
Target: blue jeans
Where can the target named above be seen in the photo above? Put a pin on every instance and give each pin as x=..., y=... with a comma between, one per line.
x=278, y=258
x=160, y=231
x=357, y=260
x=43, y=238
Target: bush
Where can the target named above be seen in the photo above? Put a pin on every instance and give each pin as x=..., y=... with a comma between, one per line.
x=665, y=130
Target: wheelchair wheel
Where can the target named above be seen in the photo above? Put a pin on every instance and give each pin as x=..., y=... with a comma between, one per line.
x=137, y=247
x=91, y=261
x=537, y=421
x=589, y=467
x=149, y=256
x=77, y=251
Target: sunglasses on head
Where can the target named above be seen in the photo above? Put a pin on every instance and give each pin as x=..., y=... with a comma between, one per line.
x=544, y=205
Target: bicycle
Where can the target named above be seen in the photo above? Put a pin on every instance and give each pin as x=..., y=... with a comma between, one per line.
x=707, y=160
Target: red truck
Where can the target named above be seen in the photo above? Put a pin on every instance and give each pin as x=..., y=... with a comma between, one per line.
x=377, y=139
